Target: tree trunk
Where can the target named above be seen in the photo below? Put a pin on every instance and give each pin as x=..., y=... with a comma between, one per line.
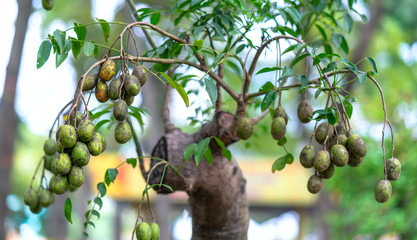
x=8, y=118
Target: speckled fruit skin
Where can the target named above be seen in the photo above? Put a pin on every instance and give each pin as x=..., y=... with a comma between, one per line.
x=321, y=160
x=67, y=136
x=278, y=128
x=90, y=81
x=76, y=117
x=328, y=173
x=31, y=197
x=155, y=231
x=107, y=70
x=49, y=147
x=62, y=164
x=340, y=155
x=51, y=183
x=140, y=73
x=80, y=155
x=46, y=198
x=340, y=130
x=244, y=128
x=120, y=110
x=123, y=133
x=59, y=147
x=314, y=184
x=102, y=92
x=94, y=145
x=354, y=161
x=48, y=161
x=356, y=146
x=85, y=130
x=323, y=130
x=143, y=231
x=305, y=111
x=114, y=88
x=60, y=184
x=307, y=156
x=131, y=85
x=76, y=176
x=129, y=99
x=340, y=139
x=393, y=169
x=280, y=112
x=103, y=142
x=383, y=191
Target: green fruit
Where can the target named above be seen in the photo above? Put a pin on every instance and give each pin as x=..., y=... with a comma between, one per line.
x=46, y=198
x=123, y=133
x=340, y=155
x=328, y=173
x=244, y=128
x=393, y=169
x=59, y=147
x=120, y=110
x=280, y=112
x=314, y=184
x=60, y=184
x=102, y=92
x=131, y=85
x=140, y=73
x=48, y=161
x=48, y=4
x=322, y=160
x=324, y=130
x=340, y=130
x=76, y=118
x=354, y=161
x=341, y=139
x=155, y=231
x=94, y=145
x=72, y=188
x=143, y=231
x=356, y=146
x=90, y=81
x=49, y=147
x=51, y=183
x=107, y=70
x=129, y=99
x=85, y=130
x=53, y=170
x=103, y=142
x=62, y=164
x=114, y=88
x=67, y=136
x=31, y=197
x=80, y=155
x=278, y=128
x=383, y=191
x=76, y=176
x=307, y=156
x=305, y=111
x=36, y=209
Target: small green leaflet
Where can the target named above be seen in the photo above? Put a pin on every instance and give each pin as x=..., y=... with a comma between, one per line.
x=110, y=175
x=155, y=17
x=268, y=69
x=132, y=161
x=304, y=84
x=225, y=151
x=88, y=48
x=43, y=53
x=86, y=223
x=101, y=123
x=373, y=64
x=362, y=77
x=80, y=30
x=295, y=15
x=211, y=89
x=105, y=26
x=200, y=150
x=177, y=87
x=267, y=101
x=348, y=22
x=268, y=86
x=68, y=210
x=99, y=202
x=348, y=107
x=290, y=158
x=101, y=187
x=279, y=164
x=60, y=40
x=189, y=151
x=76, y=47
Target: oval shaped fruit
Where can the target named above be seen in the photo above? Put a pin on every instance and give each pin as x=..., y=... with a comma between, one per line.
x=120, y=110
x=102, y=92
x=244, y=128
x=94, y=145
x=72, y=188
x=322, y=160
x=140, y=73
x=340, y=139
x=155, y=231
x=383, y=191
x=324, y=130
x=62, y=164
x=123, y=133
x=340, y=130
x=36, y=209
x=51, y=184
x=340, y=155
x=305, y=111
x=80, y=155
x=314, y=184
x=354, y=161
x=280, y=112
x=393, y=169
x=31, y=197
x=114, y=88
x=356, y=146
x=90, y=81
x=131, y=85
x=103, y=142
x=76, y=176
x=143, y=231
x=49, y=147
x=76, y=117
x=278, y=128
x=48, y=4
x=60, y=184
x=307, y=156
x=48, y=161
x=53, y=166
x=85, y=130
x=129, y=99
x=59, y=147
x=107, y=70
x=46, y=198
x=328, y=173
x=67, y=136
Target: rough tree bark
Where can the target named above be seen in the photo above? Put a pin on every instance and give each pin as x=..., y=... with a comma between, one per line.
x=8, y=117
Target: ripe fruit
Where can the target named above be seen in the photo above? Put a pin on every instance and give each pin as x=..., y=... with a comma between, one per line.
x=354, y=161
x=393, y=169
x=323, y=130
x=278, y=128
x=31, y=197
x=132, y=85
x=383, y=191
x=307, y=156
x=49, y=147
x=62, y=164
x=85, y=130
x=48, y=4
x=155, y=231
x=120, y=110
x=76, y=118
x=280, y=112
x=60, y=184
x=76, y=176
x=244, y=128
x=140, y=73
x=90, y=81
x=67, y=136
x=102, y=92
x=322, y=160
x=123, y=133
x=80, y=155
x=143, y=231
x=314, y=184
x=356, y=146
x=114, y=88
x=340, y=155
x=46, y=198
x=94, y=145
x=305, y=111
x=107, y=70
x=328, y=173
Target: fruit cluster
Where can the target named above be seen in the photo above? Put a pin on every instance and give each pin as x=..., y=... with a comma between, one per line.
x=279, y=123
x=146, y=231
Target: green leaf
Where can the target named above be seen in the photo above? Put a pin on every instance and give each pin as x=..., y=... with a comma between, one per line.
x=110, y=175
x=240, y=48
x=101, y=187
x=268, y=69
x=201, y=149
x=268, y=100
x=86, y=223
x=68, y=209
x=348, y=107
x=304, y=84
x=80, y=30
x=290, y=158
x=362, y=77
x=268, y=86
x=105, y=26
x=189, y=151
x=101, y=123
x=59, y=37
x=60, y=58
x=43, y=53
x=348, y=22
x=76, y=47
x=95, y=213
x=299, y=58
x=317, y=94
x=322, y=32
x=331, y=117
x=211, y=89
x=155, y=17
x=218, y=59
x=132, y=161
x=295, y=15
x=286, y=72
x=88, y=48
x=226, y=152
x=279, y=164
x=373, y=64
x=177, y=87
x=208, y=156
x=99, y=202
x=282, y=141
x=85, y=234
x=98, y=114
